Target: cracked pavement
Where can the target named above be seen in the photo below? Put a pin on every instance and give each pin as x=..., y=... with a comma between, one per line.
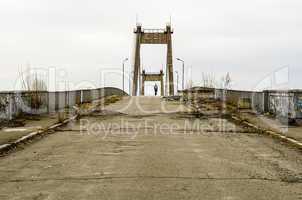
x=146, y=148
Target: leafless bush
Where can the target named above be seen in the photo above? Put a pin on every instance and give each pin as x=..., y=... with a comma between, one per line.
x=226, y=81
x=35, y=86
x=208, y=80
x=190, y=84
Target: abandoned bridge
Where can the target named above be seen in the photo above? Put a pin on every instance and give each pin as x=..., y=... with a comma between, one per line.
x=151, y=148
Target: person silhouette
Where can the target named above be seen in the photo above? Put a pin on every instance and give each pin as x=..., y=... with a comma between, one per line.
x=155, y=89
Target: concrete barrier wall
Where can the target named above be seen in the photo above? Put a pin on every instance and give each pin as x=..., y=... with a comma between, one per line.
x=285, y=103
x=258, y=102
x=4, y=100
x=71, y=99
x=24, y=102
x=282, y=103
x=51, y=102
x=86, y=96
x=298, y=104
x=61, y=100
x=109, y=91
x=14, y=103
x=95, y=94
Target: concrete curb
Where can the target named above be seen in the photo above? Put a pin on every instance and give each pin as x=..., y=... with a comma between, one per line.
x=276, y=135
x=7, y=147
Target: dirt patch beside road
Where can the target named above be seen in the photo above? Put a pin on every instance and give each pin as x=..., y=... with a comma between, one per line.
x=11, y=133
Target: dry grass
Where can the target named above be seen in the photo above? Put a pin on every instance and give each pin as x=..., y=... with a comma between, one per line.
x=112, y=99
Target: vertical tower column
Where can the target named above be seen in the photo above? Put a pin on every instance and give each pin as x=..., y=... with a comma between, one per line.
x=170, y=61
x=161, y=83
x=166, y=82
x=136, y=71
x=143, y=88
x=143, y=84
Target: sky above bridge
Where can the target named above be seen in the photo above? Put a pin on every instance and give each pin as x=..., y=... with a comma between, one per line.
x=258, y=42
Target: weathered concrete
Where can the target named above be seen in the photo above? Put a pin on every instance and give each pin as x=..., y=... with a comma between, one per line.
x=153, y=36
x=14, y=103
x=153, y=77
x=170, y=162
x=12, y=134
x=283, y=104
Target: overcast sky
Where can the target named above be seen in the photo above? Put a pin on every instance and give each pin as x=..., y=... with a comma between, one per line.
x=249, y=39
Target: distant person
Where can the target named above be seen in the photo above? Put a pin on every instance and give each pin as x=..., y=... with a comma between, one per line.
x=155, y=89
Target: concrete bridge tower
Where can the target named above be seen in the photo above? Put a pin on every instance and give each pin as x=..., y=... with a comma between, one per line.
x=153, y=36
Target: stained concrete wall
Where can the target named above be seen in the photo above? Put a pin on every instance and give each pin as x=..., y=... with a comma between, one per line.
x=61, y=100
x=258, y=102
x=86, y=96
x=242, y=99
x=4, y=105
x=52, y=102
x=71, y=98
x=286, y=103
x=281, y=103
x=14, y=103
x=95, y=94
x=298, y=104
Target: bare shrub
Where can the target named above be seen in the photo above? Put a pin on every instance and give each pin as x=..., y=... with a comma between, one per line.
x=208, y=80
x=34, y=85
x=226, y=81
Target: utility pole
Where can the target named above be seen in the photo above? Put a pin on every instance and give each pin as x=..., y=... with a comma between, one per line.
x=183, y=72
x=176, y=81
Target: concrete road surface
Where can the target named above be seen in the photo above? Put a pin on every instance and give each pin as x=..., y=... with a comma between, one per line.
x=145, y=148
